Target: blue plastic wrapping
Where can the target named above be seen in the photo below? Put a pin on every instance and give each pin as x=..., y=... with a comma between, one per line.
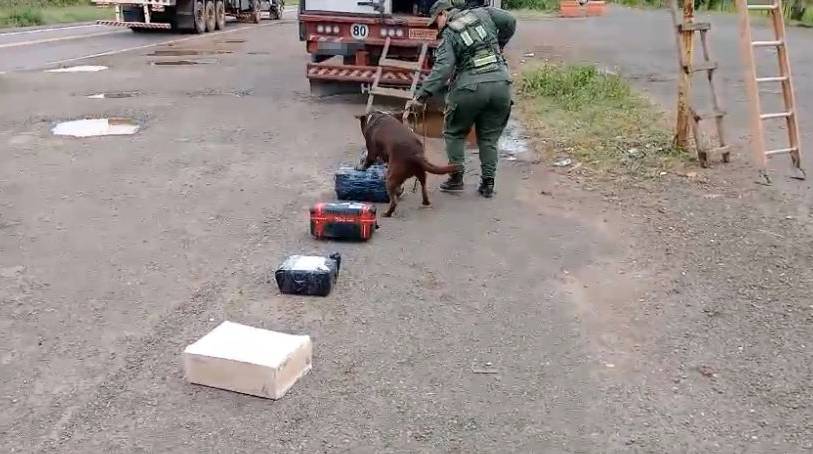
x=308, y=275
x=362, y=185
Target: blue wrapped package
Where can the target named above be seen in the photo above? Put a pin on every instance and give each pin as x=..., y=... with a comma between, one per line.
x=308, y=274
x=362, y=185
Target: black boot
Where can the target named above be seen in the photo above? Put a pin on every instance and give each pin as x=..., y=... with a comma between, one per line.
x=486, y=188
x=454, y=183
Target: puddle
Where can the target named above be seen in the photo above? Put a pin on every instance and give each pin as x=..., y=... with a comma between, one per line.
x=184, y=53
x=114, y=95
x=77, y=69
x=233, y=41
x=513, y=142
x=182, y=62
x=93, y=127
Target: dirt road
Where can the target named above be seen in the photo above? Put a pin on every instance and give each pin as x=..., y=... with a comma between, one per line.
x=116, y=252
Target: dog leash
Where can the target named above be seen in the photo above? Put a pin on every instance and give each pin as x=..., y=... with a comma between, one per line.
x=410, y=118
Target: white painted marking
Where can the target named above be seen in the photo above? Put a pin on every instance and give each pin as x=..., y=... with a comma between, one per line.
x=53, y=40
x=161, y=43
x=99, y=96
x=42, y=30
x=77, y=69
x=96, y=127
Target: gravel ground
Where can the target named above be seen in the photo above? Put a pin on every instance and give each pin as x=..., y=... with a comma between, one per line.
x=668, y=316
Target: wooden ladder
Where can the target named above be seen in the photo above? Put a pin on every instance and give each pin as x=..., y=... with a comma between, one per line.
x=752, y=82
x=383, y=61
x=685, y=34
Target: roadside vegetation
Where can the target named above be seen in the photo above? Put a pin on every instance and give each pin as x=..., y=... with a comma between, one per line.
x=597, y=120
x=24, y=13
x=796, y=11
x=528, y=9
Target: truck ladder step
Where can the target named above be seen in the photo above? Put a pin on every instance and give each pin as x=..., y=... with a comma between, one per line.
x=392, y=63
x=392, y=92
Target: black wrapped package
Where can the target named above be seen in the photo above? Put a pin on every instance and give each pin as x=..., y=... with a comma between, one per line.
x=362, y=185
x=308, y=274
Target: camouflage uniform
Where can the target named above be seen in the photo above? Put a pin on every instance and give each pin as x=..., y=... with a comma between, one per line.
x=470, y=54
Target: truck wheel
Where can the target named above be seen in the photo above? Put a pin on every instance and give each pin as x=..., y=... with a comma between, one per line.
x=275, y=12
x=199, y=16
x=255, y=12
x=211, y=20
x=220, y=15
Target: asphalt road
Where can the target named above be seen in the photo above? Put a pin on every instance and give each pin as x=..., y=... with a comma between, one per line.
x=29, y=49
x=608, y=329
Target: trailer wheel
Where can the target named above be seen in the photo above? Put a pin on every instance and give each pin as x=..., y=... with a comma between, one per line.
x=220, y=15
x=199, y=16
x=275, y=12
x=211, y=19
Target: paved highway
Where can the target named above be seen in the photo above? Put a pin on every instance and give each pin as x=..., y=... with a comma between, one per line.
x=30, y=49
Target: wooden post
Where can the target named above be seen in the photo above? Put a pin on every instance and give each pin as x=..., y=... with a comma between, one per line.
x=684, y=121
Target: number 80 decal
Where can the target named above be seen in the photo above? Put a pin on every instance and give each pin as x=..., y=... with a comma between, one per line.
x=359, y=31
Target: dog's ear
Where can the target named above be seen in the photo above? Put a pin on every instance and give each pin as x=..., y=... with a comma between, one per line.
x=362, y=118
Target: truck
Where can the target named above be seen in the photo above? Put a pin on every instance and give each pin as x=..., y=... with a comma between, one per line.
x=345, y=39
x=196, y=16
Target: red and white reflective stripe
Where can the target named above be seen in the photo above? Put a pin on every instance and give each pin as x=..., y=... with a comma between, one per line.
x=155, y=25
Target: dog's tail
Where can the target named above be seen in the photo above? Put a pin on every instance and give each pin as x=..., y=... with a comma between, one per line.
x=437, y=170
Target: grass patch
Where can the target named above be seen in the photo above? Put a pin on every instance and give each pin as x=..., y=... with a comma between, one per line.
x=24, y=14
x=537, y=5
x=21, y=17
x=78, y=13
x=597, y=119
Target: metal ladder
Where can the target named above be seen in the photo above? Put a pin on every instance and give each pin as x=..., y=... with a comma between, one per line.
x=688, y=67
x=752, y=82
x=383, y=61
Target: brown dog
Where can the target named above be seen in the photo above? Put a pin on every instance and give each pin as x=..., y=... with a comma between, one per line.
x=389, y=140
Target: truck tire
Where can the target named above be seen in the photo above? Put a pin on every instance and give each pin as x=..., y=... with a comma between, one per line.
x=256, y=15
x=199, y=16
x=220, y=15
x=211, y=18
x=275, y=12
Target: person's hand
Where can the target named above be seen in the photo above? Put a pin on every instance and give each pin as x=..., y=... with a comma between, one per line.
x=414, y=104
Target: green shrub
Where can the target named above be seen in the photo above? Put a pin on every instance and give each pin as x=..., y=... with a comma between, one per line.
x=575, y=86
x=542, y=5
x=21, y=17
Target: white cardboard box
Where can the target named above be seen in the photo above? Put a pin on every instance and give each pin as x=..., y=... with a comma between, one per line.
x=248, y=360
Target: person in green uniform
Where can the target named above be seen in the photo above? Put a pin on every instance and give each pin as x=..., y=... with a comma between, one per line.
x=469, y=57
